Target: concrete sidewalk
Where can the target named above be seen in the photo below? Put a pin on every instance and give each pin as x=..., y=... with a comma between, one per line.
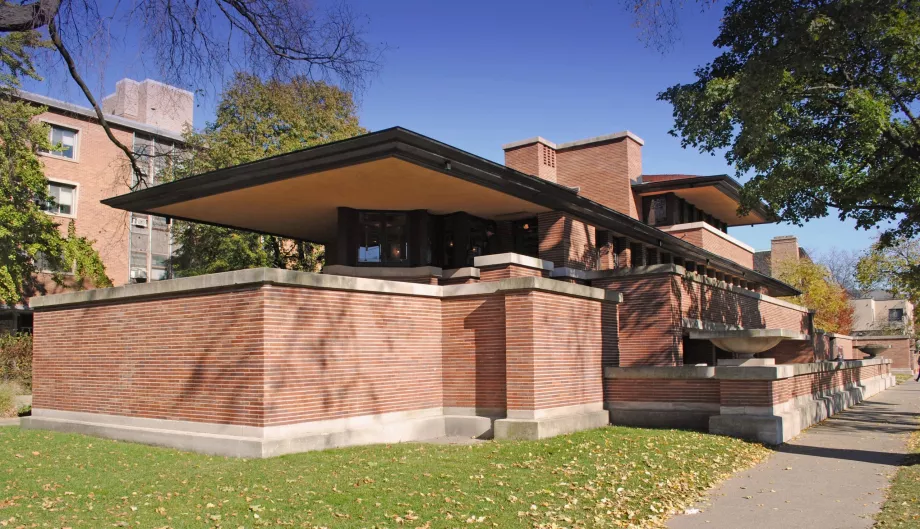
x=833, y=476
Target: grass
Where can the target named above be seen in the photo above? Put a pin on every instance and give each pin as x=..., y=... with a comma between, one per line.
x=901, y=378
x=902, y=506
x=608, y=477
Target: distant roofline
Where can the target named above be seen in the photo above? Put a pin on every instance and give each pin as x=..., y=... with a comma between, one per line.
x=576, y=143
x=90, y=113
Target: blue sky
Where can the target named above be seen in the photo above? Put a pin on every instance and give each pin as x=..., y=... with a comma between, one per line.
x=478, y=74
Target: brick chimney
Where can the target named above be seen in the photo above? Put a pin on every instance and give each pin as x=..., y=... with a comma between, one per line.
x=534, y=156
x=151, y=102
x=602, y=168
x=783, y=248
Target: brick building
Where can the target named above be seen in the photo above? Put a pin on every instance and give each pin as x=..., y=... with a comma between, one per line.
x=562, y=290
x=147, y=116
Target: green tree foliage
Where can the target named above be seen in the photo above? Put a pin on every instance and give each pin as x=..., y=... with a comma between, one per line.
x=26, y=232
x=894, y=268
x=255, y=120
x=820, y=292
x=817, y=101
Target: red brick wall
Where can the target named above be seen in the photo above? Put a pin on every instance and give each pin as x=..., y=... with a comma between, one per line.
x=901, y=354
x=565, y=241
x=665, y=390
x=535, y=159
x=194, y=358
x=333, y=354
x=717, y=304
x=510, y=270
x=649, y=321
x=473, y=341
x=707, y=240
x=770, y=392
x=552, y=350
x=603, y=172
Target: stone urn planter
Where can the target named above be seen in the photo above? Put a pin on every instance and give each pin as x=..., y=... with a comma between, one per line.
x=873, y=349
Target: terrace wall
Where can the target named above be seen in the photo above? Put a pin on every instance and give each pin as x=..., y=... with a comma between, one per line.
x=769, y=404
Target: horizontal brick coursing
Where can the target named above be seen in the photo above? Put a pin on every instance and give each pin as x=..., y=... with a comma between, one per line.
x=496, y=273
x=707, y=240
x=333, y=354
x=649, y=329
x=195, y=358
x=720, y=305
x=473, y=341
x=667, y=390
x=552, y=349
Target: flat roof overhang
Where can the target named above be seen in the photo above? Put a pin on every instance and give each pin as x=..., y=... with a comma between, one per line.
x=393, y=169
x=717, y=195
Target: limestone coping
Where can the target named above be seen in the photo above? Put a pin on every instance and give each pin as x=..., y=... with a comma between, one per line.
x=272, y=276
x=504, y=259
x=775, y=372
x=673, y=269
x=576, y=143
x=569, y=273
x=748, y=333
x=383, y=272
x=467, y=272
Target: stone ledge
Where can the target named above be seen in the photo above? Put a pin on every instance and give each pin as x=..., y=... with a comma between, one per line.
x=252, y=442
x=256, y=277
x=532, y=429
x=505, y=259
x=776, y=372
x=468, y=272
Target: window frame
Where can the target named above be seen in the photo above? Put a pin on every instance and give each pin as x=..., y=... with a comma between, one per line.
x=78, y=133
x=360, y=239
x=896, y=310
x=76, y=197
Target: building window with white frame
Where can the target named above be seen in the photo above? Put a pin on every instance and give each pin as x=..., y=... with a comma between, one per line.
x=63, y=142
x=62, y=199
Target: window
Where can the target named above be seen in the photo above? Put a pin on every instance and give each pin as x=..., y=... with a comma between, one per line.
x=657, y=211
x=383, y=238
x=62, y=199
x=63, y=142
x=895, y=315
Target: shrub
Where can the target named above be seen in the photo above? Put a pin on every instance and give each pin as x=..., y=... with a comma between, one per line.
x=16, y=359
x=8, y=392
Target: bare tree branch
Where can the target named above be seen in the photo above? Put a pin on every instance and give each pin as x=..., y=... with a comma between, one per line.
x=71, y=66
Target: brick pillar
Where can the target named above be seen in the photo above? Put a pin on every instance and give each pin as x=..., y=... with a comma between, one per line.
x=624, y=252
x=552, y=239
x=519, y=351
x=606, y=250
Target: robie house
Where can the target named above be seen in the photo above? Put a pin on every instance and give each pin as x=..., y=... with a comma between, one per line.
x=561, y=291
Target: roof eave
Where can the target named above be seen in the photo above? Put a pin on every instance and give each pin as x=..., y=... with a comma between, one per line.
x=418, y=149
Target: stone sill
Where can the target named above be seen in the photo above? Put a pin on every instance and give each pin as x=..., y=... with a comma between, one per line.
x=257, y=277
x=776, y=372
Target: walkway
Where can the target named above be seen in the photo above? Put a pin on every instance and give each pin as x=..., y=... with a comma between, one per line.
x=832, y=476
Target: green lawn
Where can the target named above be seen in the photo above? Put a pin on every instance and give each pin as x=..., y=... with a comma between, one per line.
x=902, y=507
x=609, y=477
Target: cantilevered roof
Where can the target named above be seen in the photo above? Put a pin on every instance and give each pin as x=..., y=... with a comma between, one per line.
x=718, y=195
x=296, y=194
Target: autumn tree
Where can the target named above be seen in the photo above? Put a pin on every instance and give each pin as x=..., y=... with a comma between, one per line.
x=819, y=292
x=190, y=43
x=817, y=102
x=257, y=119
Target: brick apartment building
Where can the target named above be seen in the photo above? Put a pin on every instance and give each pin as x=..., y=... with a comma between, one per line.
x=560, y=291
x=147, y=116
